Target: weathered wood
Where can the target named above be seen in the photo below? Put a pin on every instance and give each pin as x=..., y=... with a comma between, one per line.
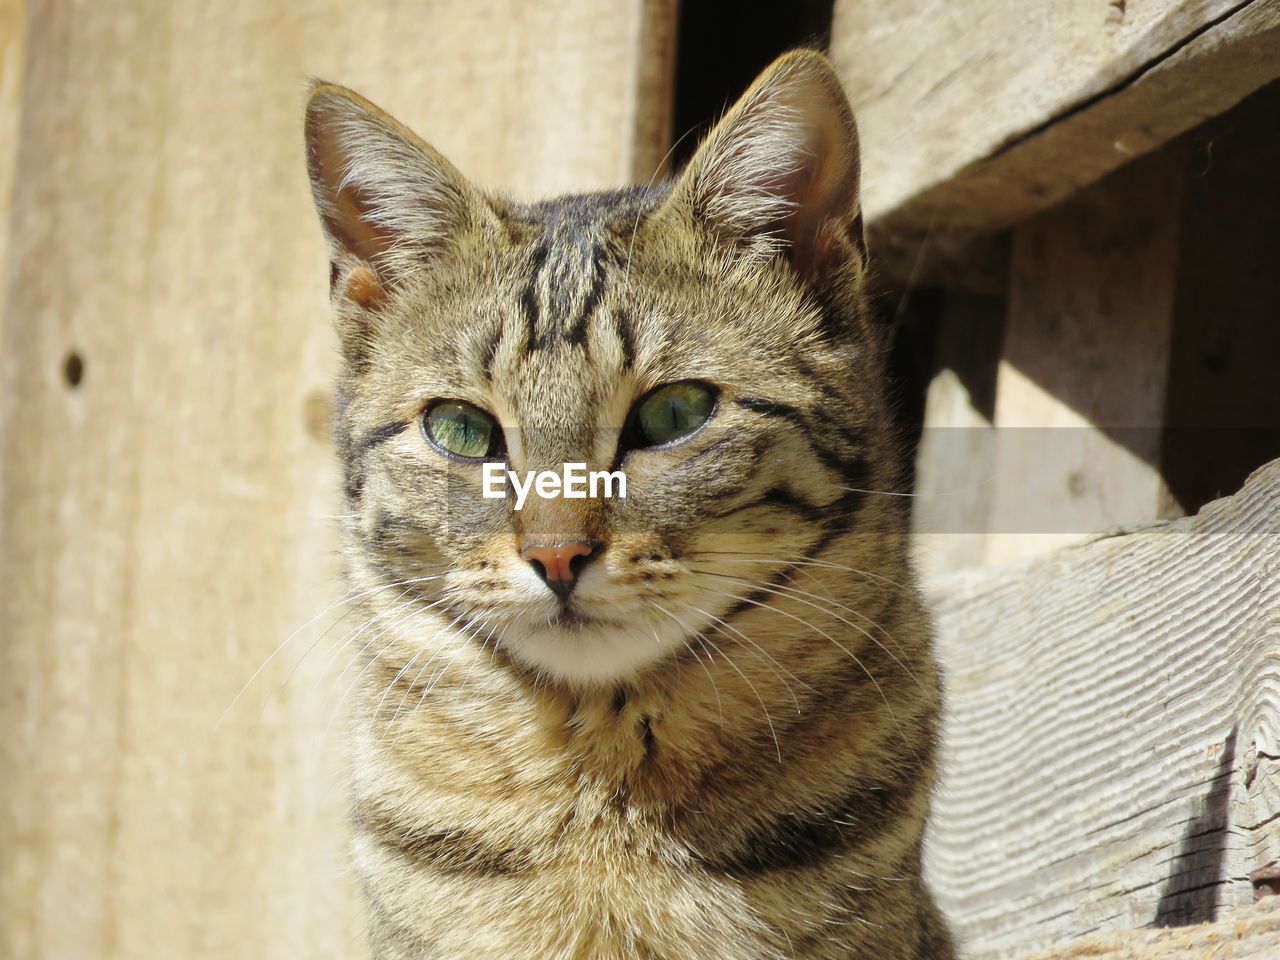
x=955, y=468
x=1113, y=729
x=166, y=521
x=1082, y=387
x=1251, y=933
x=977, y=114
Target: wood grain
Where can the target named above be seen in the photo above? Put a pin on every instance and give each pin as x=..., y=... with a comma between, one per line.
x=1113, y=726
x=166, y=521
x=977, y=114
x=1251, y=933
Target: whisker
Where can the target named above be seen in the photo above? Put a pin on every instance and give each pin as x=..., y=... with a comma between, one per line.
x=483, y=643
x=795, y=593
x=418, y=675
x=796, y=560
x=438, y=677
x=458, y=649
x=328, y=630
x=413, y=612
x=849, y=653
x=289, y=639
x=373, y=659
x=392, y=620
x=714, y=686
x=781, y=671
x=729, y=660
x=394, y=680
x=959, y=491
x=398, y=607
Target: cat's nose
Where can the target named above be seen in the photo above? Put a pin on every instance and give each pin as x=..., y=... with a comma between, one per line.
x=560, y=564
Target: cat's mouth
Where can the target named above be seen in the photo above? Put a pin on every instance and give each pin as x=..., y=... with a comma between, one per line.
x=597, y=642
x=571, y=618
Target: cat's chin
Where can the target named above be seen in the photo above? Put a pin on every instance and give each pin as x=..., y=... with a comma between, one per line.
x=583, y=651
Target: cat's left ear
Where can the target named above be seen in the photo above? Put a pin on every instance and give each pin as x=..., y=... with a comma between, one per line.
x=780, y=170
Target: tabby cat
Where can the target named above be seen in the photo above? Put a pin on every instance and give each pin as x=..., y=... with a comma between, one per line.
x=697, y=721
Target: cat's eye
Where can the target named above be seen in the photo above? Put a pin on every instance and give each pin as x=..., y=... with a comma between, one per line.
x=671, y=413
x=461, y=429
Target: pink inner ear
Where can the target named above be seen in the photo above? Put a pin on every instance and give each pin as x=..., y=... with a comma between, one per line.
x=348, y=216
x=823, y=206
x=824, y=188
x=354, y=227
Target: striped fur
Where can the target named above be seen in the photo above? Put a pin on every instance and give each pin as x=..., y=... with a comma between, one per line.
x=731, y=755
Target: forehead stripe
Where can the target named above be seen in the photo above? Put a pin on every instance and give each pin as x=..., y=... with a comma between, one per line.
x=627, y=338
x=578, y=332
x=529, y=299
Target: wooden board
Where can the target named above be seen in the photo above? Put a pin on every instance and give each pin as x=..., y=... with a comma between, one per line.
x=1251, y=933
x=1083, y=380
x=166, y=521
x=1112, y=739
x=976, y=114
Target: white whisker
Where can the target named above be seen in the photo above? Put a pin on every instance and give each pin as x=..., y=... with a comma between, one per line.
x=729, y=660
x=289, y=639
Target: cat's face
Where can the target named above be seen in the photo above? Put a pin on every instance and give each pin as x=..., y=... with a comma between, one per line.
x=706, y=340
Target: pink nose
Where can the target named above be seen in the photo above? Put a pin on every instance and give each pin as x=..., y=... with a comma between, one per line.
x=559, y=565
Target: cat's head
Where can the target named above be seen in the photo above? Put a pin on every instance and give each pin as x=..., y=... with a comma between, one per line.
x=708, y=338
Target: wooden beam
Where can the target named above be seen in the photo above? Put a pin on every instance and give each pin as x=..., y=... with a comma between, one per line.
x=977, y=114
x=167, y=510
x=1111, y=736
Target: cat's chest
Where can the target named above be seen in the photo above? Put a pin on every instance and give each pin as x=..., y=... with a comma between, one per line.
x=600, y=898
x=571, y=869
x=614, y=797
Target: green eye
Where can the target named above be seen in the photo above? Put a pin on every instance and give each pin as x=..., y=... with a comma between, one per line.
x=672, y=412
x=461, y=429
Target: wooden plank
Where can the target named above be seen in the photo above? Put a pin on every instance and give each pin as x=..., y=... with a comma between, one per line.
x=977, y=114
x=955, y=468
x=1251, y=933
x=166, y=519
x=1082, y=387
x=1112, y=733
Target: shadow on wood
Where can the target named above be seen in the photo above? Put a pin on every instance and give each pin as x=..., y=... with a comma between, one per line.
x=1190, y=894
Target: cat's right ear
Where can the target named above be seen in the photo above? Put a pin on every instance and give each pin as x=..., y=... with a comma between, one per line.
x=389, y=203
x=779, y=173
